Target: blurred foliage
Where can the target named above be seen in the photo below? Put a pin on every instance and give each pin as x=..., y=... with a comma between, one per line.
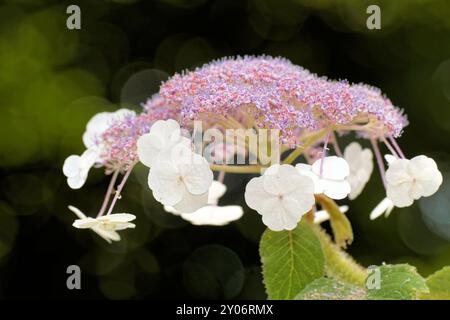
x=53, y=80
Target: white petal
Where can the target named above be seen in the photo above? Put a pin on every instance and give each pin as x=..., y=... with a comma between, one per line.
x=255, y=193
x=214, y=215
x=108, y=235
x=275, y=216
x=76, y=182
x=100, y=122
x=427, y=176
x=72, y=166
x=148, y=148
x=334, y=168
x=117, y=217
x=322, y=215
x=278, y=179
x=123, y=226
x=95, y=127
x=167, y=131
x=164, y=181
x=303, y=194
x=89, y=157
x=352, y=152
x=361, y=167
x=190, y=203
x=397, y=173
x=400, y=195
x=172, y=210
x=77, y=211
x=200, y=176
x=336, y=190
x=85, y=223
x=216, y=191
x=385, y=205
x=305, y=170
x=390, y=158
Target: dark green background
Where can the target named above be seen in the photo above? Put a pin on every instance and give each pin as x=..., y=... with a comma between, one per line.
x=52, y=80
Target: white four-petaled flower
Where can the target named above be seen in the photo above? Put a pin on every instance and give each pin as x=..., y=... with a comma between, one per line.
x=361, y=167
x=76, y=168
x=329, y=178
x=180, y=178
x=105, y=226
x=281, y=195
x=163, y=135
x=409, y=180
x=211, y=214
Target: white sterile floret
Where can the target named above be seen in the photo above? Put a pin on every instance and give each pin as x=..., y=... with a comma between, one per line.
x=384, y=207
x=100, y=122
x=409, y=180
x=76, y=168
x=105, y=226
x=163, y=135
x=180, y=178
x=211, y=214
x=329, y=179
x=361, y=167
x=281, y=195
x=322, y=215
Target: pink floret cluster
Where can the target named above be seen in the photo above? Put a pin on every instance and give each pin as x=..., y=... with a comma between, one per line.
x=276, y=94
x=118, y=142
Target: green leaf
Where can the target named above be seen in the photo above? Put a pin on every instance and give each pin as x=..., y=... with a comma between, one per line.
x=439, y=285
x=330, y=289
x=395, y=282
x=290, y=260
x=340, y=225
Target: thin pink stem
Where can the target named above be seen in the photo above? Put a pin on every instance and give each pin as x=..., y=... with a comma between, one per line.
x=221, y=176
x=391, y=149
x=108, y=193
x=119, y=190
x=325, y=144
x=337, y=149
x=379, y=160
x=397, y=147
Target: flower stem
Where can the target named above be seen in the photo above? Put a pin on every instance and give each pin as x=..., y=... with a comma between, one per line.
x=237, y=169
x=339, y=264
x=337, y=149
x=324, y=152
x=391, y=149
x=119, y=190
x=397, y=147
x=379, y=161
x=108, y=193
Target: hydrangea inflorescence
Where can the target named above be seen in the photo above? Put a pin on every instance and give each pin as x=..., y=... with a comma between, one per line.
x=276, y=94
x=254, y=93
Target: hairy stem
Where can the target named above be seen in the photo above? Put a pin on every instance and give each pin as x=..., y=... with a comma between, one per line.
x=339, y=264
